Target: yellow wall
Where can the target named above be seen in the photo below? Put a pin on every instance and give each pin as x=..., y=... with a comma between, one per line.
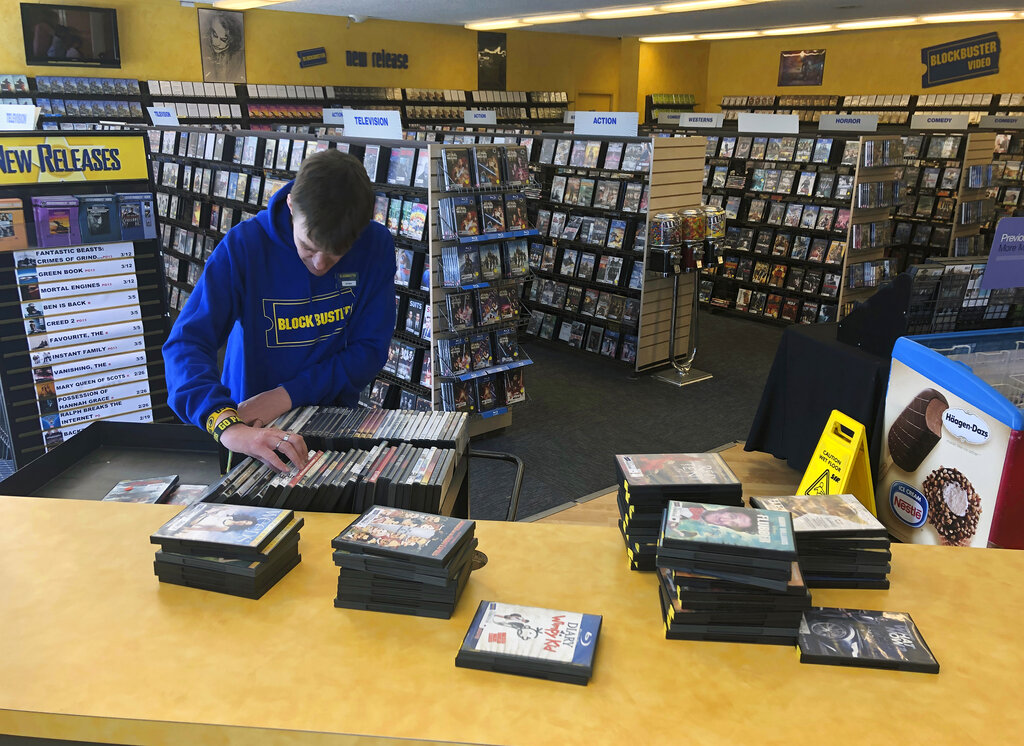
x=674, y=68
x=539, y=61
x=858, y=62
x=159, y=40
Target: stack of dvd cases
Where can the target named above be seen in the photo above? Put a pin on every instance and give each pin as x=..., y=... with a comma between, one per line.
x=839, y=543
x=239, y=550
x=527, y=641
x=338, y=428
x=729, y=574
x=349, y=481
x=404, y=562
x=648, y=481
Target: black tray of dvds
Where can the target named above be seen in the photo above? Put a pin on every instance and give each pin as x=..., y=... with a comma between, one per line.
x=87, y=465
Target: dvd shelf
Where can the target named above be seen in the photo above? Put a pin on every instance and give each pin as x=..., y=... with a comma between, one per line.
x=656, y=104
x=590, y=290
x=788, y=202
x=479, y=262
x=807, y=108
x=1005, y=189
x=946, y=296
x=198, y=103
x=292, y=104
x=894, y=109
x=207, y=181
x=948, y=175
x=878, y=191
x=80, y=261
x=79, y=103
x=76, y=103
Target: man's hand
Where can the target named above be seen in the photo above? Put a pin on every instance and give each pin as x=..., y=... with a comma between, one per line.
x=266, y=407
x=261, y=443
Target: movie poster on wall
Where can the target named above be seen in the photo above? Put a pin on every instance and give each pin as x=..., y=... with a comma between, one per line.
x=222, y=45
x=801, y=67
x=491, y=56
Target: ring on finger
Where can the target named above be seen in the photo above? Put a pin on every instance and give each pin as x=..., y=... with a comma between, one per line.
x=278, y=444
x=284, y=439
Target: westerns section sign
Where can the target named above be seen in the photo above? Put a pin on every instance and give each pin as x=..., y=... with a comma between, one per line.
x=960, y=60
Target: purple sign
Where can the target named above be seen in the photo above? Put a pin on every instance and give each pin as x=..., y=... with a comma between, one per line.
x=1006, y=260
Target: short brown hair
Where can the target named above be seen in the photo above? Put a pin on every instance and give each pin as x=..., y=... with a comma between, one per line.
x=332, y=193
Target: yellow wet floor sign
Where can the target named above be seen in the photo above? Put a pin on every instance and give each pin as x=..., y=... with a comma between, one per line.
x=840, y=464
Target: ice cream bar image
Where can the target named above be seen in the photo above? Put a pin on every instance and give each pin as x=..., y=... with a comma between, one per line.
x=916, y=431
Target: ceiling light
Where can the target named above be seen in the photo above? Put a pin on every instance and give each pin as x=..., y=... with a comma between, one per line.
x=493, y=25
x=878, y=23
x=999, y=15
x=668, y=37
x=729, y=35
x=244, y=4
x=646, y=10
x=699, y=5
x=553, y=18
x=786, y=31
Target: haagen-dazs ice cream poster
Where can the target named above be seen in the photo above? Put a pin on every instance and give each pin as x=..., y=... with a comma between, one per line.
x=949, y=438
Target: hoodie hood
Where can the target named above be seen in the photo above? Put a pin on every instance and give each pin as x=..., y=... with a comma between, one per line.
x=276, y=220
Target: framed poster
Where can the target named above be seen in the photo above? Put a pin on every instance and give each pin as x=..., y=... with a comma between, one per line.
x=222, y=45
x=801, y=67
x=491, y=57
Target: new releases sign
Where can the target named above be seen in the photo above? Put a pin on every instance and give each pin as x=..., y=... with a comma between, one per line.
x=960, y=60
x=377, y=58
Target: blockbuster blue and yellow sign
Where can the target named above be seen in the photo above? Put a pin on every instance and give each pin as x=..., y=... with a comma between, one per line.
x=960, y=60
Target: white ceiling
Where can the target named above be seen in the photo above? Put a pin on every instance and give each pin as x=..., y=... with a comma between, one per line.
x=767, y=14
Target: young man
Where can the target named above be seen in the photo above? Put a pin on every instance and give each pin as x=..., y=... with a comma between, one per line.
x=302, y=295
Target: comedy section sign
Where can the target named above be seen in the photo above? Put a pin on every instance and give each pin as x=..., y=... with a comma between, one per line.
x=960, y=60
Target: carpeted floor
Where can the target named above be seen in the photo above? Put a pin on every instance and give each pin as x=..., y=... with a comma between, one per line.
x=583, y=409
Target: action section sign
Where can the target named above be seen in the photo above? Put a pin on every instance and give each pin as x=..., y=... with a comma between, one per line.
x=960, y=60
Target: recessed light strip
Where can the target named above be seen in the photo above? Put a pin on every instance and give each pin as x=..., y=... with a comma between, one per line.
x=602, y=14
x=871, y=23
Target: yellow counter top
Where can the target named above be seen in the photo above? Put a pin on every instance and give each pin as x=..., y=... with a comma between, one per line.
x=93, y=647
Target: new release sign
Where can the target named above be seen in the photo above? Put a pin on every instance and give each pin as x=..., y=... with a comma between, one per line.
x=376, y=125
x=964, y=59
x=623, y=123
x=88, y=157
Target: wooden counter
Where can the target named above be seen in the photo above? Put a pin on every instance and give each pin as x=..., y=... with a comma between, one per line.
x=93, y=647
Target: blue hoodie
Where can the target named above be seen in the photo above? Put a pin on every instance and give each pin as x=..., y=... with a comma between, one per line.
x=322, y=338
